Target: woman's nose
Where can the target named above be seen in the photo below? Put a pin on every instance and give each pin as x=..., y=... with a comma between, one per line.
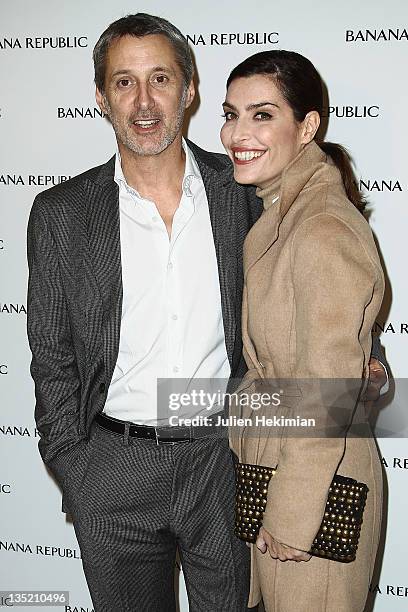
x=240, y=132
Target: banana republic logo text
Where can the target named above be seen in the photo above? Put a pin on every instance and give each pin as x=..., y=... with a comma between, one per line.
x=47, y=551
x=12, y=309
x=395, y=463
x=51, y=42
x=18, y=430
x=390, y=589
x=33, y=180
x=390, y=328
x=78, y=609
x=79, y=112
x=5, y=488
x=379, y=185
x=352, y=112
x=242, y=38
x=376, y=35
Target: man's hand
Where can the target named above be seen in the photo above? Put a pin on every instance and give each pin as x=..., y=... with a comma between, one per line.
x=377, y=380
x=265, y=542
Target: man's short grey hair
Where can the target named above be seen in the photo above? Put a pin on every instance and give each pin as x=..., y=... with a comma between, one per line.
x=139, y=25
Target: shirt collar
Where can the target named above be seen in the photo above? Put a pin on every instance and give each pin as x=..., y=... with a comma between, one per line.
x=191, y=179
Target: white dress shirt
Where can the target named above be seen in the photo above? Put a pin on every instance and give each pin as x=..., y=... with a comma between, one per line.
x=171, y=324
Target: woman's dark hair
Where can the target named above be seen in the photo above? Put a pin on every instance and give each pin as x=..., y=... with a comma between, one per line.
x=301, y=86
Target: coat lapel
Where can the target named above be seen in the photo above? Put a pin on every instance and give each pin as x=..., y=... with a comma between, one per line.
x=261, y=236
x=103, y=228
x=221, y=206
x=310, y=161
x=233, y=209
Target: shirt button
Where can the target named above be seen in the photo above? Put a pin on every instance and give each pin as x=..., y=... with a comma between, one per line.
x=170, y=265
x=154, y=219
x=176, y=369
x=174, y=317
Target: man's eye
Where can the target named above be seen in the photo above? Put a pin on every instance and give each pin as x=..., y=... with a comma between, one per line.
x=160, y=79
x=124, y=83
x=228, y=115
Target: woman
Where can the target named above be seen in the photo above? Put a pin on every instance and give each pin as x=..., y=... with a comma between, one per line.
x=313, y=288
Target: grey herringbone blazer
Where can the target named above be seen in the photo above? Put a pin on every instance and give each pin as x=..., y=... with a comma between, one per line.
x=75, y=293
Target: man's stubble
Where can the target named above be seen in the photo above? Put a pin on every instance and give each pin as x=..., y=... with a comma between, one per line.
x=124, y=135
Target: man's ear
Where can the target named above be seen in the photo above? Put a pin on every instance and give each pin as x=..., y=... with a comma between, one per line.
x=310, y=125
x=100, y=100
x=190, y=94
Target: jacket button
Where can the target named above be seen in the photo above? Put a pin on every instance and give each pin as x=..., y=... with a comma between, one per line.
x=102, y=388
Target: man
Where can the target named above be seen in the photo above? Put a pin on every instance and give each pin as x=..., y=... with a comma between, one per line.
x=136, y=274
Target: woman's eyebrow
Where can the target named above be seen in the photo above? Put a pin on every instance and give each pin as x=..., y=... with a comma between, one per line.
x=251, y=106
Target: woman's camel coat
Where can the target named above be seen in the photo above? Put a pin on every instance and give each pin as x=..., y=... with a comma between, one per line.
x=313, y=288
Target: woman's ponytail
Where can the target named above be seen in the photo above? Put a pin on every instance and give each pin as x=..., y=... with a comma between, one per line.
x=342, y=160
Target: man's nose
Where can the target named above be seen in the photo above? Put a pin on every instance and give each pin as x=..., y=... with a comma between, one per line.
x=144, y=98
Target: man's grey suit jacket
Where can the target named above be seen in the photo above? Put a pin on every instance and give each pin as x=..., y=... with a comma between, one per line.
x=75, y=293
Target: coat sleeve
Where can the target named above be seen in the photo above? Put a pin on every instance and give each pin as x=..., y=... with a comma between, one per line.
x=53, y=365
x=333, y=280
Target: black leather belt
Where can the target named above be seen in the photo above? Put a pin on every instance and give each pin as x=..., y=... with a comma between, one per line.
x=159, y=434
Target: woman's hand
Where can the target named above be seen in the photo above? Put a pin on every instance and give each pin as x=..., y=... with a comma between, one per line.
x=377, y=380
x=265, y=542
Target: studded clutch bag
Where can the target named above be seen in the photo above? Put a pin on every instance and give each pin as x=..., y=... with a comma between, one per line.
x=337, y=538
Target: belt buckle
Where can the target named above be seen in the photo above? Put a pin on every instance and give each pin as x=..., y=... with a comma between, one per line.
x=175, y=441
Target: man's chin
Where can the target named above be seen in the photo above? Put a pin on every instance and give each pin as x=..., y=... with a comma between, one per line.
x=147, y=148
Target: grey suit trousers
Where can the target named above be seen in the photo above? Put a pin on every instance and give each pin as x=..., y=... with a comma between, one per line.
x=134, y=502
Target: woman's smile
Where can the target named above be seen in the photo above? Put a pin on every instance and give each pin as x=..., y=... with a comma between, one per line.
x=246, y=156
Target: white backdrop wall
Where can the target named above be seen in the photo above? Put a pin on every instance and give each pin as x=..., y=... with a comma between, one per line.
x=50, y=130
